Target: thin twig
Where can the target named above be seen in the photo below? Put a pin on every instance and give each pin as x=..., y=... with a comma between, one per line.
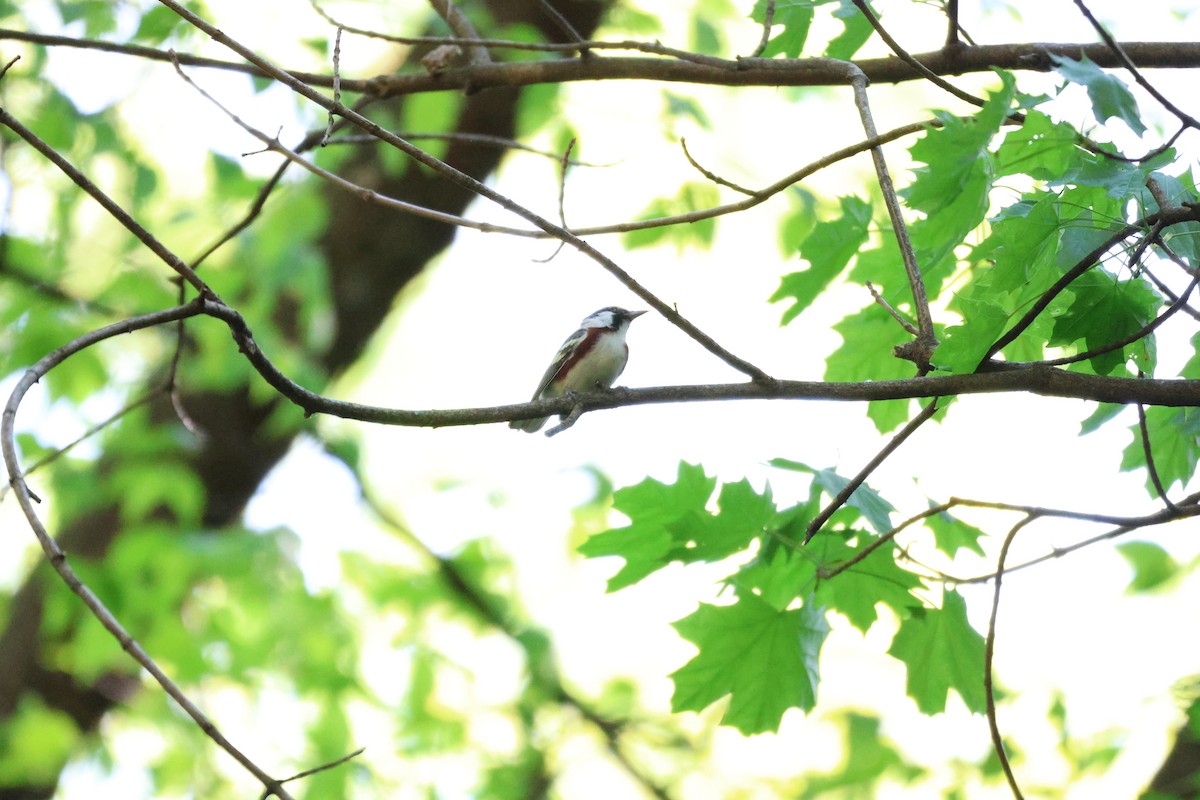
x=58, y=559
x=462, y=27
x=500, y=142
x=903, y=55
x=121, y=215
x=565, y=26
x=337, y=83
x=896, y=315
x=712, y=176
x=768, y=23
x=1148, y=453
x=337, y=762
x=854, y=483
x=926, y=342
x=59, y=452
x=1147, y=329
x=952, y=39
x=563, y=163
x=1121, y=55
x=1156, y=222
x=272, y=144
x=989, y=652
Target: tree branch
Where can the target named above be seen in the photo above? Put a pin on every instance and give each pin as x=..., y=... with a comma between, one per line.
x=989, y=652
x=675, y=66
x=58, y=559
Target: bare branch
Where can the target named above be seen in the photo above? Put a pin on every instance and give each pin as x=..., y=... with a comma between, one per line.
x=896, y=315
x=712, y=176
x=337, y=82
x=989, y=652
x=478, y=187
x=915, y=63
x=677, y=65
x=922, y=347
x=121, y=215
x=768, y=22
x=1127, y=62
x=1148, y=453
x=854, y=483
x=458, y=22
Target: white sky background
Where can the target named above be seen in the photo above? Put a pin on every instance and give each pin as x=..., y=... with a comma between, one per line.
x=482, y=326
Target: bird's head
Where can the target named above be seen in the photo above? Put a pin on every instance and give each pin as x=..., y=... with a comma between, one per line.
x=612, y=317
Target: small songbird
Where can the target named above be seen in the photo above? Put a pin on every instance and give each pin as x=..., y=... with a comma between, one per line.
x=591, y=357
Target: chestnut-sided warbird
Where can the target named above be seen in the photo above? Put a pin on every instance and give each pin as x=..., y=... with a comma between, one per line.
x=591, y=357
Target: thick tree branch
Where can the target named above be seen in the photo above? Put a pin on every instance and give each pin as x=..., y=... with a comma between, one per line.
x=679, y=66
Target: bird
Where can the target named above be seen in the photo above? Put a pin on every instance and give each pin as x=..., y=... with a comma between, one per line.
x=591, y=358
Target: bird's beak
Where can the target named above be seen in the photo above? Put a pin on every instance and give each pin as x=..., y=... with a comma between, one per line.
x=635, y=314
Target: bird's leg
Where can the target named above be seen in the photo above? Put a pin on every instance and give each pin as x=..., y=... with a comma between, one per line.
x=567, y=420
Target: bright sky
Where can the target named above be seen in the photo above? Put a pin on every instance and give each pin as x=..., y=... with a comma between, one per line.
x=1066, y=625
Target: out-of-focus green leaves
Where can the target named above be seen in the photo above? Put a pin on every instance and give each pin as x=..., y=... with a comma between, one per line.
x=692, y=196
x=868, y=756
x=1153, y=567
x=35, y=743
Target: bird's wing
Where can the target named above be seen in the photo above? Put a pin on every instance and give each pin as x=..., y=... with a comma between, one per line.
x=560, y=359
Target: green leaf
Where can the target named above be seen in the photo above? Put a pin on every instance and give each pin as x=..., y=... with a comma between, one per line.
x=1153, y=567
x=1174, y=442
x=680, y=106
x=869, y=503
x=951, y=534
x=941, y=651
x=857, y=591
x=766, y=660
x=156, y=25
x=828, y=249
x=1040, y=148
x=1105, y=310
x=1109, y=95
x=1103, y=413
x=692, y=196
x=671, y=522
x=868, y=757
x=741, y=515
x=874, y=508
x=855, y=32
x=795, y=16
x=778, y=577
x=35, y=744
x=866, y=355
x=956, y=155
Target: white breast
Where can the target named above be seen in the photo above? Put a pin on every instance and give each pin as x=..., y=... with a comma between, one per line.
x=602, y=364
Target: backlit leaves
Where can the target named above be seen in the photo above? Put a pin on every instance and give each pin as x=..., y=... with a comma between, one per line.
x=764, y=659
x=941, y=651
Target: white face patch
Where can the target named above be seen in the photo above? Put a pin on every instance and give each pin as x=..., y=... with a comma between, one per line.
x=600, y=319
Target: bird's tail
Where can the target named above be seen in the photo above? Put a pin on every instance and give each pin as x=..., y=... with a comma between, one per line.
x=528, y=425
